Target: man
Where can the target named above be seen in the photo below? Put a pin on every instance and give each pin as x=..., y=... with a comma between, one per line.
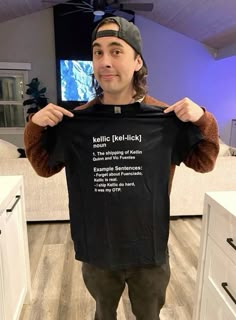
x=120, y=152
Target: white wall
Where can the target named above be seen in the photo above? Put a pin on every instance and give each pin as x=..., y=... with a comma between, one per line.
x=31, y=39
x=179, y=67
x=221, y=93
x=176, y=63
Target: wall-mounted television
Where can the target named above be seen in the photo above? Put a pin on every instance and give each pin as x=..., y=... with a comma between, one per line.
x=75, y=81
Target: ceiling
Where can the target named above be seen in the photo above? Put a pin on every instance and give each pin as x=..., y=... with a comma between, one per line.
x=211, y=22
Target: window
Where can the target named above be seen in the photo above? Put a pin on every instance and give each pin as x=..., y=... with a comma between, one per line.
x=12, y=86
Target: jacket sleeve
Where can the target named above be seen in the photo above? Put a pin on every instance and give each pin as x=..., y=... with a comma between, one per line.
x=36, y=153
x=203, y=157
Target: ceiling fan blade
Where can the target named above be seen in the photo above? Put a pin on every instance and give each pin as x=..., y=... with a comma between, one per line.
x=74, y=11
x=53, y=2
x=81, y=3
x=49, y=1
x=137, y=6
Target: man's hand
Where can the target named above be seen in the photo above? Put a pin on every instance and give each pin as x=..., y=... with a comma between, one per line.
x=50, y=115
x=186, y=110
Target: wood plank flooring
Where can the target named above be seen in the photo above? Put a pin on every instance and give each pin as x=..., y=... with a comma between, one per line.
x=58, y=291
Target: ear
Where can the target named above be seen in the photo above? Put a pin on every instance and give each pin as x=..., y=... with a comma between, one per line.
x=139, y=63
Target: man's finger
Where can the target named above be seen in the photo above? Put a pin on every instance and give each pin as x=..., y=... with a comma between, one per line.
x=170, y=108
x=174, y=106
x=64, y=111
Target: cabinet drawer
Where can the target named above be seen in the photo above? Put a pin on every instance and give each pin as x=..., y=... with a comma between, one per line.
x=220, y=274
x=213, y=306
x=14, y=278
x=222, y=228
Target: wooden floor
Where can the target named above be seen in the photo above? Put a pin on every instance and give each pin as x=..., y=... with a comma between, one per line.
x=58, y=292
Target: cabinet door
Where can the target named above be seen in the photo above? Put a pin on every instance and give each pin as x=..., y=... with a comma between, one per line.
x=2, y=302
x=214, y=307
x=14, y=263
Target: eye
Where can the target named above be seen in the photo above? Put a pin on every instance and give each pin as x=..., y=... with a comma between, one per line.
x=116, y=52
x=97, y=52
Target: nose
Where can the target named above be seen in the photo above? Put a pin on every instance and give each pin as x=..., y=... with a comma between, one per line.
x=106, y=60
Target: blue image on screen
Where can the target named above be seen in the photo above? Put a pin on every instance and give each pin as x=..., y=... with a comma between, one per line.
x=76, y=80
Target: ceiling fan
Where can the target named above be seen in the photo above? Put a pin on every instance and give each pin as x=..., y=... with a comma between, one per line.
x=101, y=7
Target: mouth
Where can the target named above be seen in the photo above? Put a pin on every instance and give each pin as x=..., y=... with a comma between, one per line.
x=107, y=76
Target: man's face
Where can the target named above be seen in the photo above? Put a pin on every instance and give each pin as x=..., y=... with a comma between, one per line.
x=114, y=63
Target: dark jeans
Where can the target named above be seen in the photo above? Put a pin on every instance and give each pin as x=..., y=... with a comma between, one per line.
x=146, y=287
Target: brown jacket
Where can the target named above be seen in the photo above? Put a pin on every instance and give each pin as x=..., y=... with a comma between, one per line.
x=202, y=159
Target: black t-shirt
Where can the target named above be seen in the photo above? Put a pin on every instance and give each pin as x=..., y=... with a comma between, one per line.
x=117, y=161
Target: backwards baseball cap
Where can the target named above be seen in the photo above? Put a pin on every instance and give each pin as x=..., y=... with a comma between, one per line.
x=127, y=32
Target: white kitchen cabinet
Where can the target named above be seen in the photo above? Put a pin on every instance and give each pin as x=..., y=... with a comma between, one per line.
x=216, y=280
x=15, y=288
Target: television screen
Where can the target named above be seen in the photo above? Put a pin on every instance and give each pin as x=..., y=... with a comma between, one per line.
x=76, y=80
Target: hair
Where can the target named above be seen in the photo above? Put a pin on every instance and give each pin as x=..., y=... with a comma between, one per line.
x=139, y=78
